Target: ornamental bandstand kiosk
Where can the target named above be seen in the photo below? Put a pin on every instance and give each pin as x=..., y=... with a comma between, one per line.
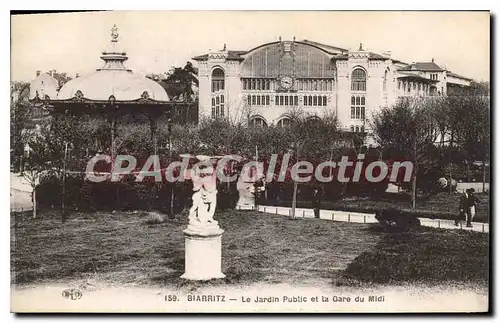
x=110, y=92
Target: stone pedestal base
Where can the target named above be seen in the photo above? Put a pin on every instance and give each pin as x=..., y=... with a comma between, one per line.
x=245, y=206
x=203, y=252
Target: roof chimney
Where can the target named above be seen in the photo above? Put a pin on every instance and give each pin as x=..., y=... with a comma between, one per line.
x=433, y=59
x=38, y=73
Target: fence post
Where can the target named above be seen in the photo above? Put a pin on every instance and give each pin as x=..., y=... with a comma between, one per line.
x=349, y=217
x=483, y=227
x=333, y=216
x=460, y=225
x=303, y=213
x=264, y=209
x=276, y=210
x=364, y=218
x=439, y=224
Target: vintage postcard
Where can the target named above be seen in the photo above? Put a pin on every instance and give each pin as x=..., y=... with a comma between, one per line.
x=250, y=161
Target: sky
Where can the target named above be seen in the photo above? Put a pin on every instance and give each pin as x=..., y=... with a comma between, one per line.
x=157, y=40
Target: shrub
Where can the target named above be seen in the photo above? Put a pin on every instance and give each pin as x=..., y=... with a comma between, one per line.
x=393, y=220
x=154, y=218
x=125, y=195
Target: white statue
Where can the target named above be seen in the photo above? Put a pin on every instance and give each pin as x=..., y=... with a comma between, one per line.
x=204, y=198
x=247, y=190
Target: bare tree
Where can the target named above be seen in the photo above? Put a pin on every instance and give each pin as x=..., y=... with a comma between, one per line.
x=407, y=130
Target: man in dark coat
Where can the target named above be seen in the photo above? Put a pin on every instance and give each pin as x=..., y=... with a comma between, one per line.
x=316, y=201
x=467, y=202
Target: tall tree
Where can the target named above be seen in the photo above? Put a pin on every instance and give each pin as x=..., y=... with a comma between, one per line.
x=406, y=130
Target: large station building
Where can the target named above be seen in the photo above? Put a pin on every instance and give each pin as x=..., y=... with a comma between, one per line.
x=268, y=82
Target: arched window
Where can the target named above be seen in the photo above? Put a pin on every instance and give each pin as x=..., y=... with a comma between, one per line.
x=258, y=122
x=358, y=80
x=284, y=122
x=217, y=80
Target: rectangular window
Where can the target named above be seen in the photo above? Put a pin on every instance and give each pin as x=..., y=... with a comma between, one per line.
x=213, y=112
x=362, y=113
x=253, y=99
x=286, y=100
x=315, y=101
x=296, y=100
x=353, y=112
x=324, y=101
x=358, y=113
x=258, y=99
x=267, y=99
x=222, y=110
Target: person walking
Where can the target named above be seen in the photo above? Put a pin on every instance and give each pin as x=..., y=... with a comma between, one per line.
x=467, y=206
x=473, y=201
x=316, y=202
x=463, y=206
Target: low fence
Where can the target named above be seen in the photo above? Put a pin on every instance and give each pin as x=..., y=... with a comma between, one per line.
x=357, y=217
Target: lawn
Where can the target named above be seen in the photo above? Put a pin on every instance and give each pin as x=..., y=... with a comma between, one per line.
x=428, y=255
x=438, y=206
x=128, y=249
x=122, y=248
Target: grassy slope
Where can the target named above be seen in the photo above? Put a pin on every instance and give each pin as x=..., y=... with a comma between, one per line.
x=442, y=205
x=122, y=249
x=427, y=255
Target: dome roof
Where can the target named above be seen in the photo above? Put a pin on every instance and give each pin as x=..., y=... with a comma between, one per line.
x=122, y=84
x=113, y=79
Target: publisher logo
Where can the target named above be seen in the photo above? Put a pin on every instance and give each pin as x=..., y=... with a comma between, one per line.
x=72, y=294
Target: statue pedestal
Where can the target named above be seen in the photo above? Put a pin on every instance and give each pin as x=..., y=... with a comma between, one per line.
x=203, y=252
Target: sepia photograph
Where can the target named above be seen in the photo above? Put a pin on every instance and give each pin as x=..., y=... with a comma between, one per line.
x=250, y=162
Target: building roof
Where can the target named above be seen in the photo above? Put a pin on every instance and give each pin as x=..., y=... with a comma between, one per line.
x=113, y=80
x=231, y=55
x=449, y=73
x=423, y=66
x=326, y=47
